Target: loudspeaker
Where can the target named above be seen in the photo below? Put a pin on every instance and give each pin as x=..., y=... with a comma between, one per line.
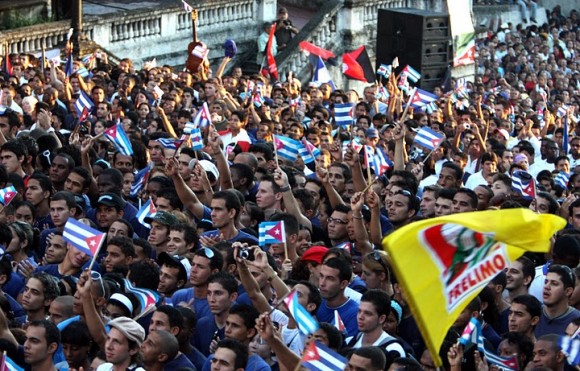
x=419, y=38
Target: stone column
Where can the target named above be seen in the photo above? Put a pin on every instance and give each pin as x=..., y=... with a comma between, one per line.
x=266, y=12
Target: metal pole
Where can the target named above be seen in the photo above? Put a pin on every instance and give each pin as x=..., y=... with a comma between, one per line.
x=77, y=25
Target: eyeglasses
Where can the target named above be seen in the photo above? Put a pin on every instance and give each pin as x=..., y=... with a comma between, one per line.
x=337, y=221
x=378, y=259
x=96, y=276
x=207, y=252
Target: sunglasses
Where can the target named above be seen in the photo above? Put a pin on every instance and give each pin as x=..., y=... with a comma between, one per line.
x=378, y=259
x=96, y=276
x=207, y=252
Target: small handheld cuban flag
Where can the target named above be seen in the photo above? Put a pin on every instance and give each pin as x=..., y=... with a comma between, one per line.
x=116, y=134
x=189, y=126
x=562, y=180
x=148, y=210
x=287, y=148
x=83, y=237
x=271, y=232
x=524, y=184
x=428, y=138
x=203, y=117
x=412, y=74
x=196, y=140
x=384, y=70
x=309, y=152
x=304, y=320
x=419, y=98
x=571, y=348
x=170, y=143
x=140, y=180
x=562, y=111
x=147, y=298
x=83, y=106
x=7, y=195
x=343, y=114
x=338, y=323
x=318, y=357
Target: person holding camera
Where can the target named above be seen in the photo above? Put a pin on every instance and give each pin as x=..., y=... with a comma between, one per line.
x=284, y=29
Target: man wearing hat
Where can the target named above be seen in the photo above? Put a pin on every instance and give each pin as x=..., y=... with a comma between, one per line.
x=122, y=345
x=160, y=225
x=284, y=29
x=372, y=136
x=109, y=208
x=173, y=274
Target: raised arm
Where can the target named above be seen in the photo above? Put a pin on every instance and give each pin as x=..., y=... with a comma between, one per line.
x=166, y=124
x=333, y=196
x=362, y=243
x=281, y=179
x=185, y=194
x=215, y=142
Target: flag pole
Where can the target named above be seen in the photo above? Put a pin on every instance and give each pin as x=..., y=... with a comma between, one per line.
x=285, y=251
x=94, y=259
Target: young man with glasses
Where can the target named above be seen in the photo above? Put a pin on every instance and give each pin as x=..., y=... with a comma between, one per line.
x=206, y=261
x=337, y=225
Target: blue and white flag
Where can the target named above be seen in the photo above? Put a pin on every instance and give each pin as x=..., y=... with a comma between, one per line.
x=304, y=320
x=321, y=75
x=170, y=143
x=571, y=348
x=428, y=138
x=203, y=117
x=287, y=148
x=412, y=74
x=189, y=126
x=83, y=106
x=271, y=232
x=419, y=98
x=384, y=70
x=562, y=179
x=83, y=237
x=196, y=140
x=524, y=184
x=309, y=152
x=116, y=134
x=7, y=195
x=141, y=178
x=318, y=357
x=146, y=211
x=343, y=114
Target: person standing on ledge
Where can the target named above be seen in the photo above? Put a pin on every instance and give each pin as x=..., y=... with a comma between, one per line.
x=284, y=29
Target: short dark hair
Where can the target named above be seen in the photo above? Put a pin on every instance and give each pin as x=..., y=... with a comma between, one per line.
x=189, y=233
x=532, y=304
x=379, y=299
x=473, y=200
x=173, y=315
x=248, y=314
x=239, y=349
x=528, y=268
x=49, y=285
x=344, y=269
x=17, y=147
x=226, y=279
x=43, y=181
x=51, y=334
x=232, y=201
x=144, y=275
x=125, y=244
x=84, y=173
x=76, y=333
x=566, y=275
x=171, y=195
x=65, y=196
x=216, y=261
x=291, y=225
x=374, y=354
x=456, y=169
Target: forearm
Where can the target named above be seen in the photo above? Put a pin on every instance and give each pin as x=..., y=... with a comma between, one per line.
x=399, y=155
x=224, y=170
x=293, y=209
x=287, y=359
x=376, y=230
x=358, y=178
x=333, y=196
x=253, y=289
x=362, y=243
x=94, y=322
x=188, y=197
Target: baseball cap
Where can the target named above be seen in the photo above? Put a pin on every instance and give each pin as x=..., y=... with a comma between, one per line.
x=503, y=133
x=111, y=199
x=208, y=166
x=182, y=264
x=315, y=254
x=162, y=217
x=129, y=328
x=372, y=133
x=282, y=10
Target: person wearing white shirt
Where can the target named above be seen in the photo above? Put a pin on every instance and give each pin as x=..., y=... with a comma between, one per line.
x=488, y=167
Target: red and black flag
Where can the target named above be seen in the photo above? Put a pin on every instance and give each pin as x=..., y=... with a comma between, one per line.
x=357, y=65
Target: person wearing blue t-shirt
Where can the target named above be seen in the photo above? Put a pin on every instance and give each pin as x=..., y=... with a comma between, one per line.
x=205, y=262
x=222, y=292
x=334, y=277
x=240, y=326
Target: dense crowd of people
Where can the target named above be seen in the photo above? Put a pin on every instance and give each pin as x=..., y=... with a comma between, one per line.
x=510, y=139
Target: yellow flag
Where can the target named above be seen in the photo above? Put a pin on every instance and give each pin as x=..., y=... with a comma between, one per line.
x=443, y=263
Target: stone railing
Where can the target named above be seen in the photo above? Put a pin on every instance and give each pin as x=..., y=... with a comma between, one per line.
x=163, y=33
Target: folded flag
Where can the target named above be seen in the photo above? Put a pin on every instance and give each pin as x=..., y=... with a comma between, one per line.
x=419, y=98
x=116, y=134
x=338, y=322
x=271, y=232
x=203, y=117
x=287, y=148
x=141, y=178
x=147, y=298
x=428, y=138
x=304, y=320
x=571, y=348
x=318, y=357
x=524, y=184
x=562, y=179
x=83, y=237
x=170, y=143
x=196, y=140
x=7, y=195
x=343, y=114
x=309, y=152
x=83, y=106
x=345, y=246
x=412, y=74
x=384, y=70
x=458, y=255
x=148, y=210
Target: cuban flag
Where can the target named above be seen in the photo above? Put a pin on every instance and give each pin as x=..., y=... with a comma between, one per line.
x=562, y=179
x=381, y=162
x=471, y=332
x=318, y=357
x=384, y=70
x=258, y=100
x=83, y=237
x=473, y=335
x=189, y=126
x=141, y=179
x=356, y=145
x=203, y=117
x=294, y=102
x=271, y=232
x=562, y=111
x=84, y=105
x=403, y=83
x=571, y=348
x=382, y=93
x=309, y=152
x=343, y=115
x=345, y=246
x=460, y=84
x=540, y=114
x=170, y=143
x=287, y=148
x=428, y=138
x=147, y=298
x=68, y=67
x=7, y=195
x=6, y=364
x=338, y=323
x=147, y=210
x=430, y=108
x=420, y=98
x=523, y=183
x=412, y=74
x=116, y=134
x=321, y=75
x=304, y=320
x=196, y=140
